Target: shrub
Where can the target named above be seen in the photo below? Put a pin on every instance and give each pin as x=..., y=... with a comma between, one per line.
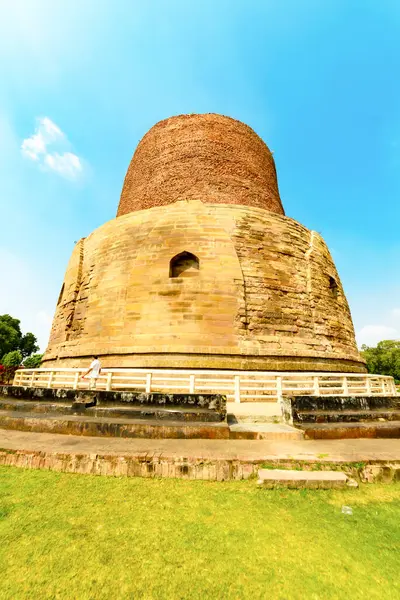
x=12, y=359
x=33, y=361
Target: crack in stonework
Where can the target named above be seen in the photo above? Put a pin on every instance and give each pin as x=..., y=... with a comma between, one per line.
x=307, y=256
x=71, y=316
x=245, y=324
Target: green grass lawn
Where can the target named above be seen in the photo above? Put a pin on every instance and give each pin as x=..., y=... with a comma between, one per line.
x=78, y=537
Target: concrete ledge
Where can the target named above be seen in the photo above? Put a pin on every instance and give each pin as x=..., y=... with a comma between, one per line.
x=215, y=402
x=340, y=403
x=112, y=427
x=119, y=411
x=334, y=431
x=304, y=479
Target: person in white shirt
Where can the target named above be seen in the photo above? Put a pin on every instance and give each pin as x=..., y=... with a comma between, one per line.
x=94, y=370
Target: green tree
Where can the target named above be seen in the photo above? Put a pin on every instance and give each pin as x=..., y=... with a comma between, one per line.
x=12, y=359
x=28, y=344
x=11, y=337
x=384, y=359
x=33, y=361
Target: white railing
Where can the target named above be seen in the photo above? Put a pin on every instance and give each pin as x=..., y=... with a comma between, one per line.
x=238, y=386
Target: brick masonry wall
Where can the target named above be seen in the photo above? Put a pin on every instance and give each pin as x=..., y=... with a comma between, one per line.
x=209, y=157
x=261, y=298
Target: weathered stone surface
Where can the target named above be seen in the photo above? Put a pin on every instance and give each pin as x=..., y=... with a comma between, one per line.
x=214, y=402
x=340, y=403
x=142, y=412
x=253, y=304
x=340, y=431
x=113, y=427
x=81, y=423
x=253, y=290
x=127, y=414
x=348, y=416
x=344, y=417
x=365, y=460
x=208, y=157
x=145, y=465
x=302, y=479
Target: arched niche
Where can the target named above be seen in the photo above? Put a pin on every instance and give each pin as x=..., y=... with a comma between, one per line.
x=333, y=287
x=184, y=264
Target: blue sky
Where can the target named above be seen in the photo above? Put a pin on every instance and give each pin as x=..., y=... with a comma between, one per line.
x=318, y=80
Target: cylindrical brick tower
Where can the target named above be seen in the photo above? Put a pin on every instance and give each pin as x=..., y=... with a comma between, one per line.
x=201, y=268
x=210, y=158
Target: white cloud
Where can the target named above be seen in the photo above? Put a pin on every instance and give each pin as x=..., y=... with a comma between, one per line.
x=36, y=148
x=372, y=334
x=68, y=165
x=46, y=133
x=396, y=313
x=51, y=129
x=33, y=147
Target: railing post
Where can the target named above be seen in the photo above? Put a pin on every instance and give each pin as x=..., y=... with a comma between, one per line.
x=148, y=383
x=237, y=388
x=316, y=385
x=32, y=379
x=109, y=381
x=76, y=381
x=368, y=385
x=278, y=381
x=50, y=381
x=345, y=386
x=191, y=384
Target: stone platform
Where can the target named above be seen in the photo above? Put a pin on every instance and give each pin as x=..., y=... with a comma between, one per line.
x=133, y=415
x=215, y=403
x=364, y=460
x=340, y=417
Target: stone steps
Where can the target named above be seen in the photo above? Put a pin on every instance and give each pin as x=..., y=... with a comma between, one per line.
x=334, y=431
x=340, y=403
x=348, y=416
x=254, y=412
x=146, y=412
x=264, y=431
x=101, y=398
x=112, y=427
x=152, y=428
x=271, y=478
x=344, y=417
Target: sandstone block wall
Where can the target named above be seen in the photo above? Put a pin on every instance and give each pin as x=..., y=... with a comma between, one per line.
x=266, y=294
